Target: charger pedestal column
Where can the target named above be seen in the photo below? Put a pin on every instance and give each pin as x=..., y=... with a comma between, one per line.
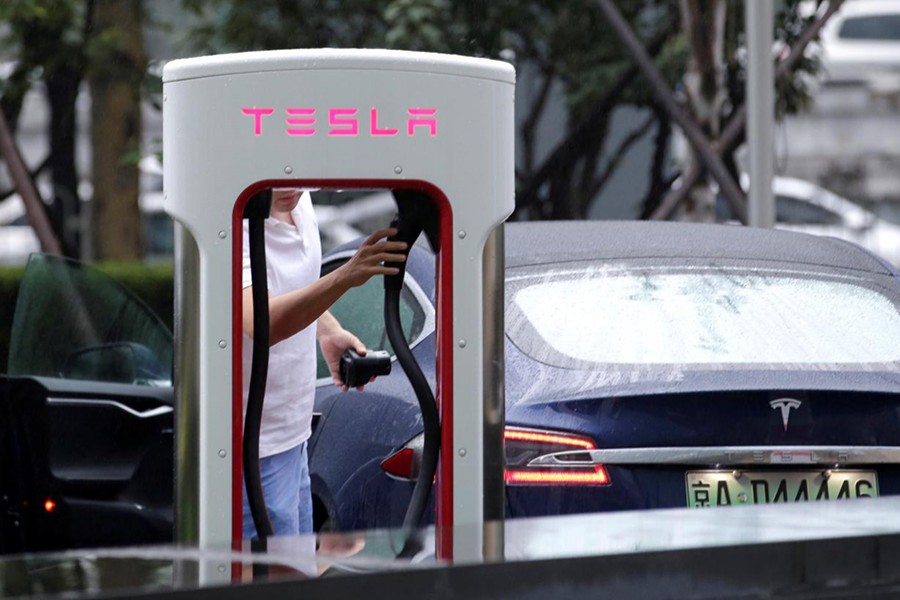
x=335, y=119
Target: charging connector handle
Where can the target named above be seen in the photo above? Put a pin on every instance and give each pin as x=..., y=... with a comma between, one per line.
x=356, y=369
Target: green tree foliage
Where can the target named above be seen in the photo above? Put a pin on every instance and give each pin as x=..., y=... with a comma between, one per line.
x=40, y=35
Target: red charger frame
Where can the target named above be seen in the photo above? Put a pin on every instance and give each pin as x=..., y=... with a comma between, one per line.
x=444, y=346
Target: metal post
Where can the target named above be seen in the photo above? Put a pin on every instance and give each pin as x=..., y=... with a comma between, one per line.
x=760, y=17
x=493, y=359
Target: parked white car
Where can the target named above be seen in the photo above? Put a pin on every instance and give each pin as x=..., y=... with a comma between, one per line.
x=861, y=43
x=17, y=238
x=806, y=207
x=338, y=224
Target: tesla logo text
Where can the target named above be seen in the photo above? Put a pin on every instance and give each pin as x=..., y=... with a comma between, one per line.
x=785, y=404
x=343, y=122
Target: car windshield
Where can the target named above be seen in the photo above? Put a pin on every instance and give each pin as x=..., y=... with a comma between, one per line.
x=706, y=318
x=75, y=322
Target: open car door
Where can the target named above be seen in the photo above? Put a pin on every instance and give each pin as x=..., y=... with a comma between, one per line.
x=86, y=414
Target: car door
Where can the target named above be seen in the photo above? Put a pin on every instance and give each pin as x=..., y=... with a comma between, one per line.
x=87, y=414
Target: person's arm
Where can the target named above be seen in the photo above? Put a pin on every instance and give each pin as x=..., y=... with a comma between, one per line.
x=294, y=311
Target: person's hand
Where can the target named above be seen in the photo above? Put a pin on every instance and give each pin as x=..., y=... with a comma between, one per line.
x=333, y=344
x=368, y=260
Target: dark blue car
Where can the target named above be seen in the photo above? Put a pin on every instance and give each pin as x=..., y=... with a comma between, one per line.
x=648, y=365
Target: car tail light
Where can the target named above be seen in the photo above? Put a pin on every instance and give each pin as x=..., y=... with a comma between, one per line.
x=401, y=464
x=533, y=457
x=406, y=462
x=536, y=457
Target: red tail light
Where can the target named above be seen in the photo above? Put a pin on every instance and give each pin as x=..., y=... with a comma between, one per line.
x=596, y=476
x=533, y=457
x=49, y=505
x=401, y=464
x=406, y=462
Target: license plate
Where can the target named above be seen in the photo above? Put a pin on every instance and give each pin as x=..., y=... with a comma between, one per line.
x=725, y=488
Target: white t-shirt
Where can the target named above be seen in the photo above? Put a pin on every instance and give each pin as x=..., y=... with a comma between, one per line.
x=293, y=261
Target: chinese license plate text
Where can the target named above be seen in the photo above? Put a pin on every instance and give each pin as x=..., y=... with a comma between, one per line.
x=725, y=488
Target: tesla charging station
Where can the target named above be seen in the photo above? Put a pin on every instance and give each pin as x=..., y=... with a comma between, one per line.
x=238, y=124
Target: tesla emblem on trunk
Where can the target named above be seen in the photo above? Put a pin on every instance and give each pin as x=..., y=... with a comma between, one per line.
x=785, y=404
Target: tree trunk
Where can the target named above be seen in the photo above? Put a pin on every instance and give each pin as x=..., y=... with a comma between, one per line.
x=65, y=208
x=116, y=129
x=659, y=181
x=703, y=22
x=34, y=207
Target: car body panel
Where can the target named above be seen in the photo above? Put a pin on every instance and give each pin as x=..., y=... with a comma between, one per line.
x=101, y=453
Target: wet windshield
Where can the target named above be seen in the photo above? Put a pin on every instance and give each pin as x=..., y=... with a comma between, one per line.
x=75, y=322
x=710, y=318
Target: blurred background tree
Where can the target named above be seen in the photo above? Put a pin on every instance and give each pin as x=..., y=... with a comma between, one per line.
x=563, y=52
x=58, y=45
x=575, y=83
x=559, y=48
x=48, y=39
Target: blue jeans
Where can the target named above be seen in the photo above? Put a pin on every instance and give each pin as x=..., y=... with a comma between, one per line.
x=286, y=488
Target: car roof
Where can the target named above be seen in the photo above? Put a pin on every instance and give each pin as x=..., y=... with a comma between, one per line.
x=547, y=242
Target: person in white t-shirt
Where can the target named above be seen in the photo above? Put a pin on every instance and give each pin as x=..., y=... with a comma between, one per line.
x=298, y=316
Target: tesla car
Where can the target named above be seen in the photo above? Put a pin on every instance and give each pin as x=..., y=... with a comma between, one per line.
x=648, y=365
x=86, y=408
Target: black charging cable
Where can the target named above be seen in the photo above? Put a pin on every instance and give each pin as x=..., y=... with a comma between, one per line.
x=256, y=211
x=416, y=214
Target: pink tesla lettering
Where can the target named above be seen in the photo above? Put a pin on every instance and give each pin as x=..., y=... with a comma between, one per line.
x=420, y=121
x=343, y=121
x=377, y=131
x=257, y=114
x=301, y=121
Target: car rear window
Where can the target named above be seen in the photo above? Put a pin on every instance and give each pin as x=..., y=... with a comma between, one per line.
x=710, y=318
